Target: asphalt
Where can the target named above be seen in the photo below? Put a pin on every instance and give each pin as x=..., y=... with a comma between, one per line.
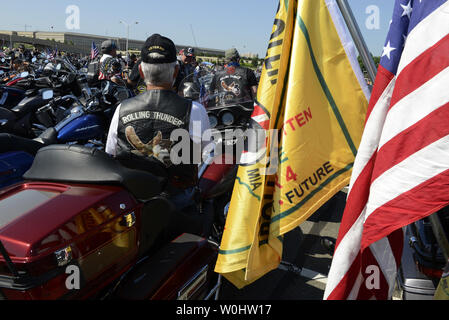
x=303, y=249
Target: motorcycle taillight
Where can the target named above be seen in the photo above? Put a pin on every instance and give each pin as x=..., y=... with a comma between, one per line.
x=430, y=272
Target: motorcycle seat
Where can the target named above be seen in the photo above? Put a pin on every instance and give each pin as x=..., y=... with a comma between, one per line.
x=84, y=165
x=48, y=137
x=10, y=143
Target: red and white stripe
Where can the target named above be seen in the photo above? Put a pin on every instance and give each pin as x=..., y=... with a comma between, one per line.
x=261, y=117
x=401, y=172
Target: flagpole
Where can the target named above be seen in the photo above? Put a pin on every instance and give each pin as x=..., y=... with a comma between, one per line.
x=357, y=37
x=440, y=235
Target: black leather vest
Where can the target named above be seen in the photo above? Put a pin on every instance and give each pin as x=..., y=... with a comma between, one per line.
x=143, y=136
x=232, y=85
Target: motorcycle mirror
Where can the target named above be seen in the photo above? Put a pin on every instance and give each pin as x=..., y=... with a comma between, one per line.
x=24, y=74
x=58, y=67
x=3, y=60
x=33, y=60
x=47, y=94
x=46, y=61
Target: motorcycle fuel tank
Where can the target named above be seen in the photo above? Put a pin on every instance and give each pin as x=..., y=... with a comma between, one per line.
x=84, y=127
x=81, y=231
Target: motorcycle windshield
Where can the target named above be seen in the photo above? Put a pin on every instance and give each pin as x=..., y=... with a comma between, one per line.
x=201, y=86
x=227, y=107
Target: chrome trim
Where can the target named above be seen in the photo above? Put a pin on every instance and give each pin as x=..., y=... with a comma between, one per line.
x=39, y=126
x=196, y=277
x=75, y=113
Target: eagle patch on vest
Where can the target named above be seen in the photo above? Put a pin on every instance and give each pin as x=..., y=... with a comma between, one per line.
x=233, y=87
x=157, y=148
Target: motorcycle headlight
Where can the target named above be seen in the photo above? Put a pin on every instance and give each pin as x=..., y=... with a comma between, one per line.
x=213, y=120
x=227, y=118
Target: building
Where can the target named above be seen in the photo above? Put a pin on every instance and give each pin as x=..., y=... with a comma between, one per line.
x=83, y=42
x=250, y=55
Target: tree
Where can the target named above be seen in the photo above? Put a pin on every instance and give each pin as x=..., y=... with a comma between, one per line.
x=362, y=66
x=255, y=62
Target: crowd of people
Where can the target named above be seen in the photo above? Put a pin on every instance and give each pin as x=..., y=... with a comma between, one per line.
x=155, y=77
x=112, y=66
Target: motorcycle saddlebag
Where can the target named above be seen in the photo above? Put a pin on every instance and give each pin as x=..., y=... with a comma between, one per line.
x=64, y=241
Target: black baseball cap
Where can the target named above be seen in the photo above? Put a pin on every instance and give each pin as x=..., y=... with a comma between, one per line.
x=161, y=45
x=108, y=46
x=232, y=54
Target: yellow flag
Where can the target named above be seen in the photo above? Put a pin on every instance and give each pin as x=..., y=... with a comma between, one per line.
x=442, y=291
x=312, y=100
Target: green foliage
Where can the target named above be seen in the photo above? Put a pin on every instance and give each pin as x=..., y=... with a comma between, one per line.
x=362, y=66
x=255, y=62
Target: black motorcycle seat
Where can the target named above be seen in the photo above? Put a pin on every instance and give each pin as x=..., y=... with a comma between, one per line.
x=83, y=165
x=11, y=143
x=48, y=137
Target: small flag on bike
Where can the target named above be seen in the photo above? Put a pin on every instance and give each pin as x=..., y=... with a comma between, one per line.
x=312, y=101
x=94, y=51
x=401, y=173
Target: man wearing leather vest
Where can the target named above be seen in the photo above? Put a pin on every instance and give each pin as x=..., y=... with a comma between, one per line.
x=233, y=84
x=109, y=51
x=141, y=128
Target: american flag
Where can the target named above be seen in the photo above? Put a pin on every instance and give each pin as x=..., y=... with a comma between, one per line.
x=49, y=54
x=94, y=51
x=52, y=54
x=401, y=172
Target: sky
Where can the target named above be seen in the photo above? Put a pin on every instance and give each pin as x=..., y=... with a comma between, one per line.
x=243, y=24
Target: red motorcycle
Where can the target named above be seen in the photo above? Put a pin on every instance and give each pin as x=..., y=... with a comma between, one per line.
x=82, y=226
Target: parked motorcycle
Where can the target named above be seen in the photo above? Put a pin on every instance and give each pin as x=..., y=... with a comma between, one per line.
x=83, y=124
x=62, y=79
x=108, y=228
x=21, y=120
x=423, y=260
x=63, y=120
x=10, y=96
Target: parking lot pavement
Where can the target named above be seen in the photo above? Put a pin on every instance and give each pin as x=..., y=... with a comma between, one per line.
x=302, y=248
